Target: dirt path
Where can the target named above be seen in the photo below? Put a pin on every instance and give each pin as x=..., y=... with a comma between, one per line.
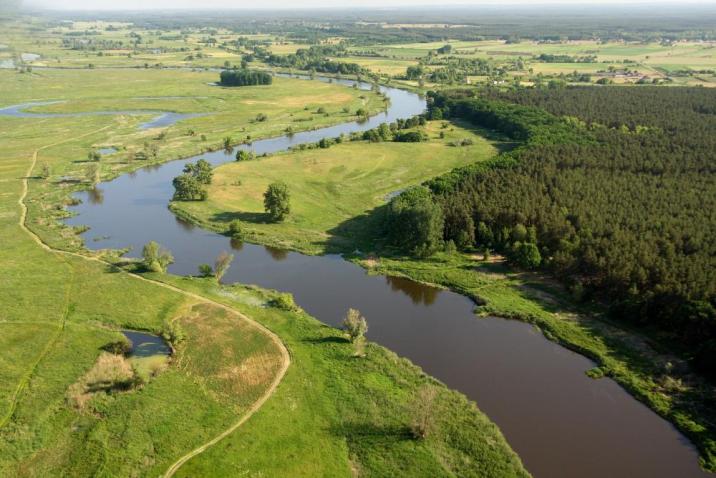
x=285, y=356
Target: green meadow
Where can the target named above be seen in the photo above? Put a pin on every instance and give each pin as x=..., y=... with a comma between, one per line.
x=331, y=187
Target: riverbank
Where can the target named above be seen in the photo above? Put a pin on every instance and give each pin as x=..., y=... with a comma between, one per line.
x=661, y=380
x=351, y=412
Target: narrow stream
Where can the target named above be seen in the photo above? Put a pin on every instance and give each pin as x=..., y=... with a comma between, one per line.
x=560, y=422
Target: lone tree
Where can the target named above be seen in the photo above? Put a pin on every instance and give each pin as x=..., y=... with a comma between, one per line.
x=423, y=412
x=156, y=258
x=356, y=326
x=92, y=173
x=277, y=201
x=227, y=143
x=221, y=265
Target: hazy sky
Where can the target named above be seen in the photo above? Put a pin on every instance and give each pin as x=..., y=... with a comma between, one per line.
x=293, y=4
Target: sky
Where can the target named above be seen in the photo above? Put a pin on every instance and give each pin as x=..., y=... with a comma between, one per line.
x=294, y=4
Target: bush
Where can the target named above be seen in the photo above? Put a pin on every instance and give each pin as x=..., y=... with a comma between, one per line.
x=156, y=258
x=414, y=222
x=284, y=301
x=243, y=155
x=408, y=137
x=526, y=254
x=236, y=229
x=205, y=270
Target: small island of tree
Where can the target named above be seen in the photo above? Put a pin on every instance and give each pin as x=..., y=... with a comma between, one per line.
x=245, y=77
x=191, y=185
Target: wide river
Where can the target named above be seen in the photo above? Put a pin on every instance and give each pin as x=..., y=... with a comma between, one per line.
x=560, y=422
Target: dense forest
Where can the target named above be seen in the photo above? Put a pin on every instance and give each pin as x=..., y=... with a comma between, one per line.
x=244, y=77
x=613, y=189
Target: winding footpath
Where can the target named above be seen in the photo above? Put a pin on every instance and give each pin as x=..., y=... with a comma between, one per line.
x=285, y=355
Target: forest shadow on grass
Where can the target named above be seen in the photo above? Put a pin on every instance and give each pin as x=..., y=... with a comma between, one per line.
x=365, y=233
x=373, y=432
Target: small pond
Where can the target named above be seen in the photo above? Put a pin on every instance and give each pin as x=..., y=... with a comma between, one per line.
x=146, y=345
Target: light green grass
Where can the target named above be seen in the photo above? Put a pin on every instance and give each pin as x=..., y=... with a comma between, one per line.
x=329, y=187
x=336, y=415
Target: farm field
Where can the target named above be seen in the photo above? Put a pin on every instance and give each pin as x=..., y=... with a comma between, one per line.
x=330, y=186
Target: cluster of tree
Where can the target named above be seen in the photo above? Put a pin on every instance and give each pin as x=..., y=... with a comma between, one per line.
x=191, y=184
x=317, y=58
x=612, y=189
x=394, y=131
x=550, y=58
x=245, y=77
x=91, y=44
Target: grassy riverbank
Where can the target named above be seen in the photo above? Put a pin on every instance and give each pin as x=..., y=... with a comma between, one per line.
x=337, y=415
x=333, y=191
x=651, y=373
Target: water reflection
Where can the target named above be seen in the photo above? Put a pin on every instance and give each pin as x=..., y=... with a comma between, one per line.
x=186, y=225
x=236, y=244
x=418, y=293
x=95, y=195
x=276, y=254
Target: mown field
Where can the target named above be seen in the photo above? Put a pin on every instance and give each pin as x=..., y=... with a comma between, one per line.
x=60, y=312
x=329, y=187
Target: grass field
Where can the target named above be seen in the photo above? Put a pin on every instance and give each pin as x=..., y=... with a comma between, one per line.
x=59, y=311
x=329, y=186
x=337, y=415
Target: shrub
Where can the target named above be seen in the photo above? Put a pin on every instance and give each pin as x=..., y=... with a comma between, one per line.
x=236, y=229
x=172, y=332
x=284, y=301
x=355, y=325
x=205, y=270
x=243, y=155
x=156, y=258
x=222, y=264
x=423, y=412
